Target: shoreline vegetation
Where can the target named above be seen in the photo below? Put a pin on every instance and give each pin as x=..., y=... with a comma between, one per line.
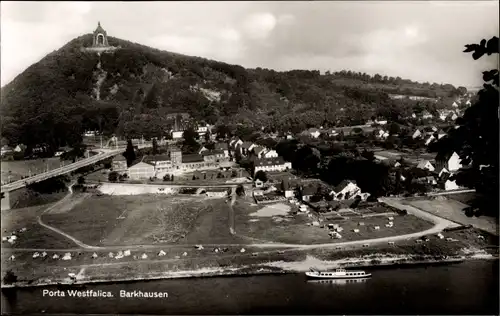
x=377, y=260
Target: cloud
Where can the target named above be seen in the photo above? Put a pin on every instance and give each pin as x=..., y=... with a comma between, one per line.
x=259, y=25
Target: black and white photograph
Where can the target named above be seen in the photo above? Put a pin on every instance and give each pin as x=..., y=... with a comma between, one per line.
x=250, y=157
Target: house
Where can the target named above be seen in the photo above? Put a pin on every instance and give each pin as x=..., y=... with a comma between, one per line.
x=441, y=171
x=271, y=164
x=20, y=148
x=416, y=134
x=259, y=151
x=441, y=134
x=258, y=183
x=426, y=115
x=202, y=149
x=202, y=130
x=447, y=184
x=425, y=165
x=381, y=134
x=119, y=163
x=177, y=135
x=312, y=132
x=427, y=179
x=271, y=153
x=429, y=140
x=382, y=122
x=235, y=142
x=216, y=192
x=213, y=155
x=307, y=192
x=223, y=147
x=246, y=147
x=345, y=190
x=162, y=163
x=141, y=170
x=449, y=160
x=455, y=104
x=6, y=150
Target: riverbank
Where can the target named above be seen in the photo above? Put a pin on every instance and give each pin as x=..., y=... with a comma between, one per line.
x=271, y=267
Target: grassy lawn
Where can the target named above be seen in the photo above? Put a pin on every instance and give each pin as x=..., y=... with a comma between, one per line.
x=145, y=219
x=464, y=198
x=452, y=210
x=295, y=229
x=36, y=236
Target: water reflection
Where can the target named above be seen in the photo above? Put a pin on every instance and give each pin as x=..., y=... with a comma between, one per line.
x=339, y=281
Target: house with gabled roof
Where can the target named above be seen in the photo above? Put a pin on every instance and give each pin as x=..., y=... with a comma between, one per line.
x=449, y=160
x=235, y=142
x=141, y=170
x=416, y=134
x=246, y=147
x=425, y=165
x=429, y=140
x=270, y=153
x=259, y=151
x=345, y=190
x=312, y=132
x=119, y=163
x=223, y=147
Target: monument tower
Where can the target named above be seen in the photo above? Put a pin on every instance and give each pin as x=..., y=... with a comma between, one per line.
x=100, y=37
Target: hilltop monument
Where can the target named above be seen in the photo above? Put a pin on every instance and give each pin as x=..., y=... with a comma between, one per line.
x=100, y=37
x=100, y=41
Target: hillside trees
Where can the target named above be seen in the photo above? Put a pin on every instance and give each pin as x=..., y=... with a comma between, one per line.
x=476, y=139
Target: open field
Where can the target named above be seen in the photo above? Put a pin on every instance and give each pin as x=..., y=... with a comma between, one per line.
x=35, y=235
x=20, y=168
x=298, y=229
x=464, y=198
x=145, y=219
x=452, y=210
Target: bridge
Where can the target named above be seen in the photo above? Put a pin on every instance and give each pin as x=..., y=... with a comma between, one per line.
x=103, y=154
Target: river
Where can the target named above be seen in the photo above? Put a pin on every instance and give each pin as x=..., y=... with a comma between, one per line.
x=470, y=287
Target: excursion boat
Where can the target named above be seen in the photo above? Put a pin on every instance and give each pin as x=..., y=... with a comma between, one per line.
x=337, y=274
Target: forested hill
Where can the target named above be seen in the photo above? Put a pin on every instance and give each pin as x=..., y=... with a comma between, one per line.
x=132, y=90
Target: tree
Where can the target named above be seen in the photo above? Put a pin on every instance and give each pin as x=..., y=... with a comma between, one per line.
x=113, y=176
x=129, y=153
x=476, y=139
x=240, y=190
x=81, y=180
x=190, y=136
x=261, y=175
x=155, y=146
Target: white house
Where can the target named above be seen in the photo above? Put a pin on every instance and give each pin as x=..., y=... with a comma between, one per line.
x=246, y=147
x=450, y=185
x=271, y=153
x=383, y=122
x=313, y=132
x=426, y=165
x=345, y=190
x=450, y=161
x=382, y=134
x=20, y=148
x=416, y=134
x=271, y=164
x=202, y=149
x=202, y=130
x=235, y=142
x=426, y=115
x=177, y=134
x=441, y=134
x=455, y=104
x=141, y=170
x=430, y=140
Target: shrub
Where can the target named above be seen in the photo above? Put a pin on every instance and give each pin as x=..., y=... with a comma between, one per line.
x=9, y=277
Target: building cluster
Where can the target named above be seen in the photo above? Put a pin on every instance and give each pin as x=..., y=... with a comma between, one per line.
x=174, y=162
x=264, y=159
x=439, y=172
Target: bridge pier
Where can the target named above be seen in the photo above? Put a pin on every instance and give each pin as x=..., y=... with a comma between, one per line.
x=6, y=205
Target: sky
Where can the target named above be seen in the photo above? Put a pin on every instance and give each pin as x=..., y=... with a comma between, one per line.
x=420, y=40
